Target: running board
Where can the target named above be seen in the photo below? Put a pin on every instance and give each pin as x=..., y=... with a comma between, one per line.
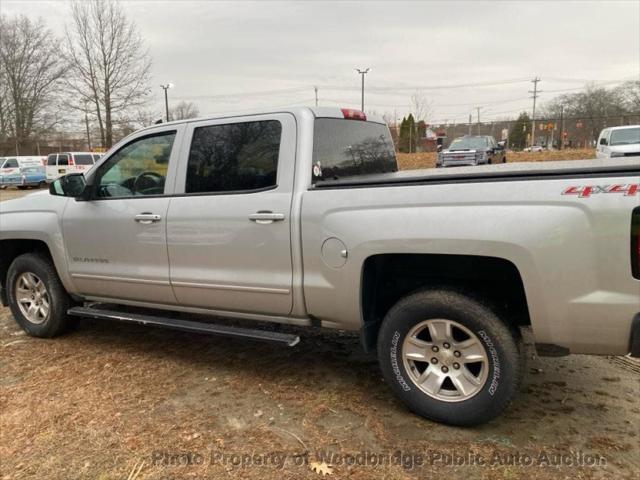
x=186, y=325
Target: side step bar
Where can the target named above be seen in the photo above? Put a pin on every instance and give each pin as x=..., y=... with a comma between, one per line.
x=186, y=325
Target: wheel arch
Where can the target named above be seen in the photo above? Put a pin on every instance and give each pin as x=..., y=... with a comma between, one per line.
x=386, y=278
x=10, y=249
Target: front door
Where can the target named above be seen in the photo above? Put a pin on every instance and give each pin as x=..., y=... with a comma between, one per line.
x=116, y=241
x=229, y=232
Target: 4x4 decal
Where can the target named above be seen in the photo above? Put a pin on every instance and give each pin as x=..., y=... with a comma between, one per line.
x=628, y=190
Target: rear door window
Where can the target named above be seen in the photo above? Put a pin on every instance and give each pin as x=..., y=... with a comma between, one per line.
x=63, y=159
x=234, y=157
x=51, y=159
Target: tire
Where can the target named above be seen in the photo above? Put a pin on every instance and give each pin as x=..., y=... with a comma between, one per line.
x=40, y=267
x=504, y=159
x=496, y=376
x=22, y=187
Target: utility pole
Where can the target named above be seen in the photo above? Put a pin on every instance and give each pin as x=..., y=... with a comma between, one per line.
x=362, y=74
x=535, y=93
x=166, y=87
x=86, y=124
x=315, y=89
x=478, y=110
x=561, y=141
x=470, y=120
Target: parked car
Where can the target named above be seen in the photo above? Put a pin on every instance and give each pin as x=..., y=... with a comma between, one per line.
x=299, y=216
x=59, y=164
x=619, y=142
x=472, y=150
x=12, y=165
x=534, y=148
x=26, y=177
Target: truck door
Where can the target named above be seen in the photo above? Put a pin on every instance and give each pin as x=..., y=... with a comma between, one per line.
x=229, y=224
x=116, y=241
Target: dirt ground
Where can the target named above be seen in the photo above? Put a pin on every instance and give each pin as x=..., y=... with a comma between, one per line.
x=117, y=401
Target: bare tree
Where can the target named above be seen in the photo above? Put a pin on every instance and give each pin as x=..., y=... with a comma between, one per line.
x=420, y=106
x=184, y=110
x=30, y=73
x=630, y=95
x=109, y=63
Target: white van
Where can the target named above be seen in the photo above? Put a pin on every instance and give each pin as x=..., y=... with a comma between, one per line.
x=619, y=142
x=59, y=164
x=12, y=165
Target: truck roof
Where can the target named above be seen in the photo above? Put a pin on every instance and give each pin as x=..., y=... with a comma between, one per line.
x=319, y=112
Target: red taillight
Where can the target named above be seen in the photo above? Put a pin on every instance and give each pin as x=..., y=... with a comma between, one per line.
x=71, y=160
x=351, y=114
x=635, y=243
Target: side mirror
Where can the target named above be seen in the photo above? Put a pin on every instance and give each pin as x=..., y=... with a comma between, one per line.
x=603, y=141
x=71, y=185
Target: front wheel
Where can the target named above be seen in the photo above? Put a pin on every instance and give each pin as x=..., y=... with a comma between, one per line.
x=448, y=357
x=37, y=298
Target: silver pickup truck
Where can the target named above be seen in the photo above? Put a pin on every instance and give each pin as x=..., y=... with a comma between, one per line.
x=300, y=217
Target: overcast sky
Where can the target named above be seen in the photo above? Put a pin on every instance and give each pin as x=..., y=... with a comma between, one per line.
x=227, y=56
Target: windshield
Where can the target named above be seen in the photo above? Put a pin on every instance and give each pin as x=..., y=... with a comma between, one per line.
x=345, y=148
x=625, y=136
x=468, y=143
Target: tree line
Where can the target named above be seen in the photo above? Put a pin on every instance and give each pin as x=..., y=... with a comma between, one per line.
x=100, y=68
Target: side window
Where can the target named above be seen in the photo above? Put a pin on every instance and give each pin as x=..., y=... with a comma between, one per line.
x=234, y=157
x=83, y=159
x=11, y=163
x=63, y=160
x=139, y=168
x=51, y=159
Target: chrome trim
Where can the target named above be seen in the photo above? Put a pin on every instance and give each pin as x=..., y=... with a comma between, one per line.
x=239, y=288
x=120, y=279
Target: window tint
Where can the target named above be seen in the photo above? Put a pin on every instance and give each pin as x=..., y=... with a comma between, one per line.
x=51, y=159
x=83, y=159
x=238, y=156
x=344, y=148
x=139, y=168
x=63, y=159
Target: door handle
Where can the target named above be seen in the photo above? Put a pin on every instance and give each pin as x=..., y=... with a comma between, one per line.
x=264, y=218
x=147, y=218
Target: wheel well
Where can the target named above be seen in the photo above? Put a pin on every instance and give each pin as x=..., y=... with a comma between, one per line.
x=389, y=277
x=9, y=250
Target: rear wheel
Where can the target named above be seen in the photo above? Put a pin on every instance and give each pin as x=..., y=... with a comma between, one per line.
x=37, y=298
x=22, y=187
x=448, y=357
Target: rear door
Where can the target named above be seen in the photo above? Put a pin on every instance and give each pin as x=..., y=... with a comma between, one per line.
x=229, y=225
x=52, y=167
x=62, y=165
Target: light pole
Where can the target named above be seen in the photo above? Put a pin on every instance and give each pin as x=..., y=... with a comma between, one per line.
x=363, y=73
x=166, y=87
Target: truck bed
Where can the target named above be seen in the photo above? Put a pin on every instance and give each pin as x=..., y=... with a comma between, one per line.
x=501, y=172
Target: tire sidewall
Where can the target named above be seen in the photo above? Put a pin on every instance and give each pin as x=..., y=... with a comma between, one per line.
x=503, y=359
x=36, y=264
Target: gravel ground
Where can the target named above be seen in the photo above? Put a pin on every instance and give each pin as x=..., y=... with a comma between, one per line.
x=116, y=401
